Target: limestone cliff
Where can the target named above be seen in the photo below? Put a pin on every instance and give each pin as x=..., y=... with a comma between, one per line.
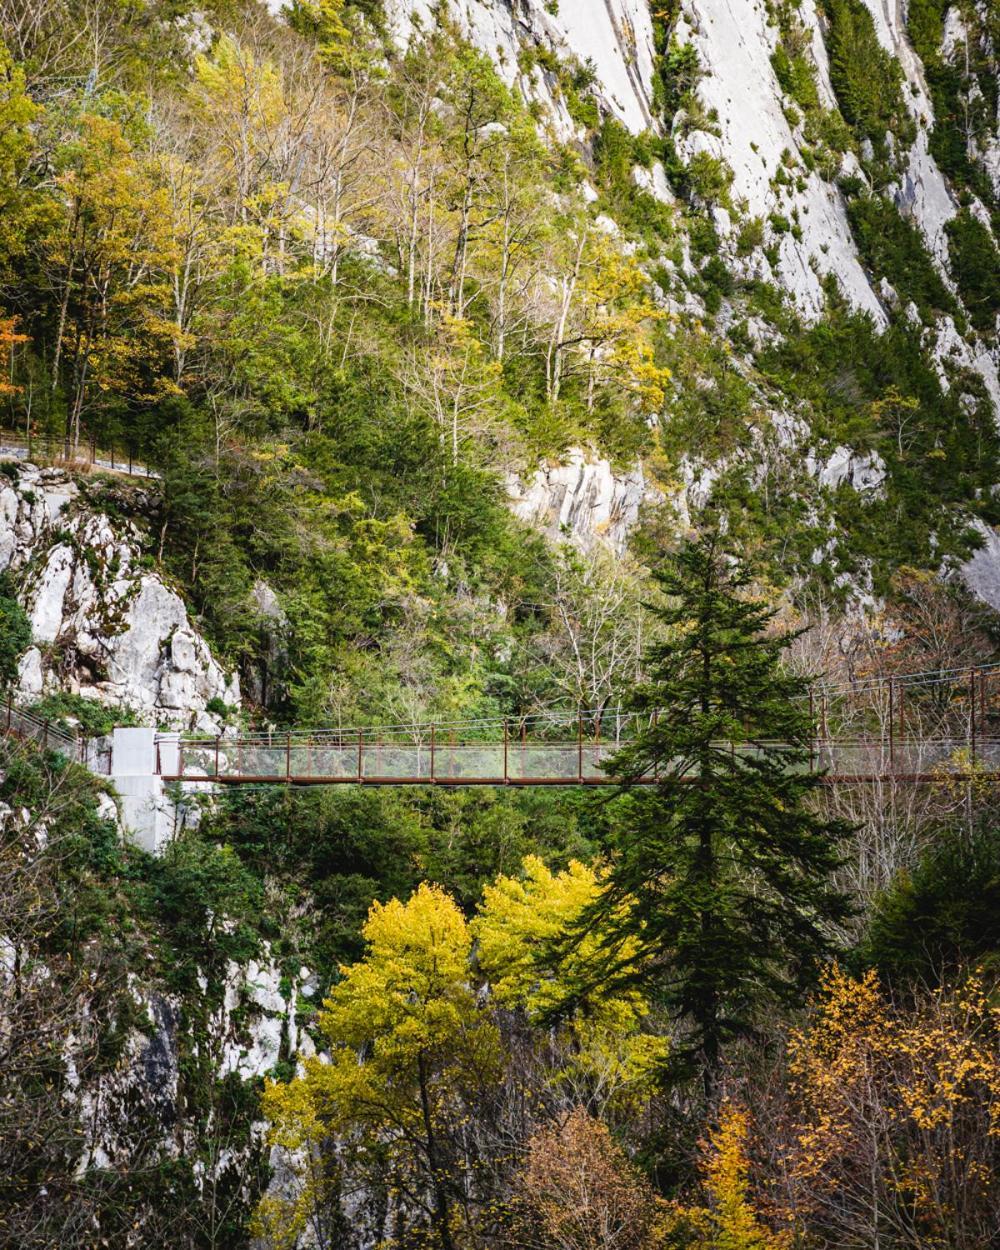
x=104, y=624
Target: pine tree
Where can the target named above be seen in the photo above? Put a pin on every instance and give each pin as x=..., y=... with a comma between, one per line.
x=724, y=862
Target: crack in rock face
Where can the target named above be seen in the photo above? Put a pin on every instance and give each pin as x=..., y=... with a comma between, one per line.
x=583, y=501
x=103, y=626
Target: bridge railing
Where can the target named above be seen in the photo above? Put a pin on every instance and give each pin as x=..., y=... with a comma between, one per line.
x=28, y=726
x=373, y=760
x=899, y=725
x=936, y=704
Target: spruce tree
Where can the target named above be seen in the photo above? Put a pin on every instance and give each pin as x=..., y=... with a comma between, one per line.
x=724, y=863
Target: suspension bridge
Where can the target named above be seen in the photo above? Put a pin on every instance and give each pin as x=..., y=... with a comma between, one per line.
x=915, y=727
x=920, y=727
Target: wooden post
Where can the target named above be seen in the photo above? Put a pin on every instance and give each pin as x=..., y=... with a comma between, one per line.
x=361, y=754
x=288, y=756
x=506, y=749
x=579, y=747
x=972, y=714
x=432, y=752
x=180, y=757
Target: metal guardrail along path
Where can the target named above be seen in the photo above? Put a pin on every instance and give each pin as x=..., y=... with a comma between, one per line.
x=48, y=450
x=25, y=726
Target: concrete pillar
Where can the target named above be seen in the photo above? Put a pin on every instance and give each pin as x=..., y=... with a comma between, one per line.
x=147, y=813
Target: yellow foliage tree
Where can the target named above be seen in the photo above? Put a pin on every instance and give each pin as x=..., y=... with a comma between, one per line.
x=607, y=1055
x=729, y=1220
x=617, y=309
x=243, y=100
x=897, y=1130
x=733, y=1219
x=344, y=41
x=108, y=256
x=601, y=310
x=18, y=112
x=410, y=1051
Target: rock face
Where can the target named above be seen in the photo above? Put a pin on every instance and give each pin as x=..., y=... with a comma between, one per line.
x=982, y=572
x=615, y=36
x=103, y=625
x=734, y=40
x=242, y=1035
x=582, y=500
x=745, y=120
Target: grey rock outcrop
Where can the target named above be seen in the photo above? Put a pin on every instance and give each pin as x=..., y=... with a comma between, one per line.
x=103, y=625
x=583, y=500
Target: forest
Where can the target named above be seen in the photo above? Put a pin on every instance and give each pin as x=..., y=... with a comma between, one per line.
x=337, y=293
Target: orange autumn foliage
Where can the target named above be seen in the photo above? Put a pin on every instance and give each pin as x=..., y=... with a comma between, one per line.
x=897, y=1115
x=578, y=1190
x=8, y=338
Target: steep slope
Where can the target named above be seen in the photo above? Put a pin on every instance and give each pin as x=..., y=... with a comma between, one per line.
x=748, y=119
x=802, y=151
x=757, y=136
x=615, y=37
x=626, y=262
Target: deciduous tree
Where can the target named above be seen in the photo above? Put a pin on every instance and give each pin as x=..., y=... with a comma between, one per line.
x=896, y=1136
x=578, y=1190
x=411, y=1051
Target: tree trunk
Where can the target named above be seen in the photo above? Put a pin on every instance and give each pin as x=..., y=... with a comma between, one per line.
x=441, y=1213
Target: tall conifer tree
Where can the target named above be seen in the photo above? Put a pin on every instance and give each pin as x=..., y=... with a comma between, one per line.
x=725, y=863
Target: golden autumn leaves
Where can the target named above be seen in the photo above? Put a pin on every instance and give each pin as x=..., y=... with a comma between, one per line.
x=445, y=1067
x=419, y=1036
